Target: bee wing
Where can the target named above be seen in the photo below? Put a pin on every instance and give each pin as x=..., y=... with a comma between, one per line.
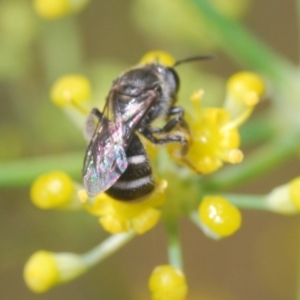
x=134, y=112
x=105, y=159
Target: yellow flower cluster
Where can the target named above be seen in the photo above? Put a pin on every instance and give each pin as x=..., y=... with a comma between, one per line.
x=117, y=216
x=214, y=137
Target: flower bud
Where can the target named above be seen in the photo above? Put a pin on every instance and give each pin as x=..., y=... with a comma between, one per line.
x=45, y=269
x=70, y=90
x=218, y=217
x=52, y=190
x=285, y=199
x=168, y=283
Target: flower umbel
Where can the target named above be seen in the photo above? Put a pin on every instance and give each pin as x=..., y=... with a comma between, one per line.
x=217, y=142
x=212, y=139
x=117, y=216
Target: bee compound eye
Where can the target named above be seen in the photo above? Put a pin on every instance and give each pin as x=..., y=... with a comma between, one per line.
x=173, y=78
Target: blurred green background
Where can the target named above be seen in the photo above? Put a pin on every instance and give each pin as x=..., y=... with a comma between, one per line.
x=259, y=262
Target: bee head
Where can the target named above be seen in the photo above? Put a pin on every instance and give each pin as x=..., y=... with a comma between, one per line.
x=169, y=75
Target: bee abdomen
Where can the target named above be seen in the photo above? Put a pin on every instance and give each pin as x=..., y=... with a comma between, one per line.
x=137, y=180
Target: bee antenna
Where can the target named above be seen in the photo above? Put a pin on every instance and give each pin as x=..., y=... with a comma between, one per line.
x=198, y=57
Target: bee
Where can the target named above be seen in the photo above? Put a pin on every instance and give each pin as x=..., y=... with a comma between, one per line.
x=116, y=161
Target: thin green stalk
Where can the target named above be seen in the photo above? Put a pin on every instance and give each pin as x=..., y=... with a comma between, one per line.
x=174, y=248
x=264, y=160
x=257, y=202
x=242, y=45
x=106, y=248
x=22, y=172
x=194, y=217
x=258, y=128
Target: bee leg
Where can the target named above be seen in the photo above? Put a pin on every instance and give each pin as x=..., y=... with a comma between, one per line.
x=91, y=123
x=170, y=125
x=172, y=138
x=179, y=112
x=176, y=110
x=180, y=136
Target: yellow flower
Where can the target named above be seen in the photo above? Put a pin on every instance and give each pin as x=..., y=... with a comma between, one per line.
x=168, y=283
x=244, y=90
x=45, y=269
x=213, y=137
x=52, y=9
x=294, y=192
x=211, y=144
x=41, y=272
x=218, y=217
x=71, y=90
x=53, y=190
x=161, y=57
x=119, y=216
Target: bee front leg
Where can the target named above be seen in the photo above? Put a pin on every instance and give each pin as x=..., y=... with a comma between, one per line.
x=172, y=123
x=171, y=138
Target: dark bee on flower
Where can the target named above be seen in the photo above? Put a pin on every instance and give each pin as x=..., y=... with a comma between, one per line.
x=116, y=161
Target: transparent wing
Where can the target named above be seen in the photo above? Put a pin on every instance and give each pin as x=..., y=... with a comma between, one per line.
x=105, y=159
x=131, y=115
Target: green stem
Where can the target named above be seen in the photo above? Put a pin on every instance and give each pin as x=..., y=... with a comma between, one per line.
x=106, y=248
x=258, y=128
x=243, y=46
x=262, y=161
x=23, y=172
x=174, y=248
x=247, y=201
x=194, y=217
